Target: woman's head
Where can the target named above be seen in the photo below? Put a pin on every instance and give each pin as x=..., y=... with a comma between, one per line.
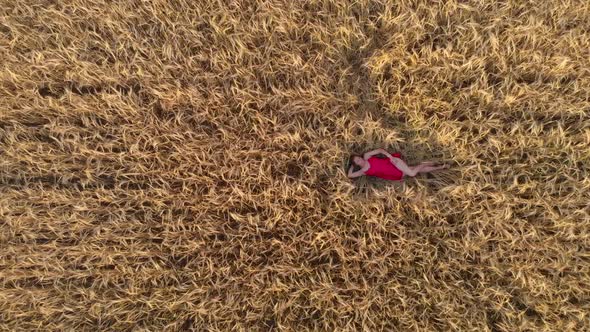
x=357, y=161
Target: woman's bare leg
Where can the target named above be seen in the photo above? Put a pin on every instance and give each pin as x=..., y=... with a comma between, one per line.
x=425, y=167
x=402, y=166
x=429, y=168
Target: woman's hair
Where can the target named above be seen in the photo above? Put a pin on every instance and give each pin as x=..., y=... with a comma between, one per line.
x=352, y=163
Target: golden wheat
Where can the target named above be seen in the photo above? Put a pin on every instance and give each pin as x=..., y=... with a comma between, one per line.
x=181, y=164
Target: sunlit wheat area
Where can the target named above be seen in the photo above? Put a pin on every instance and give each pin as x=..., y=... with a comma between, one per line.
x=176, y=165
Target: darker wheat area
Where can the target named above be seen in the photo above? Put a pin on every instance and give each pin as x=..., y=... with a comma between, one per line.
x=180, y=165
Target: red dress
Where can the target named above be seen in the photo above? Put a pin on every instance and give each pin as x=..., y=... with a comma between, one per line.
x=383, y=168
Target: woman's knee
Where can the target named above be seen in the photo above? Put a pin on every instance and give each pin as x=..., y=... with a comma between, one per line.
x=411, y=171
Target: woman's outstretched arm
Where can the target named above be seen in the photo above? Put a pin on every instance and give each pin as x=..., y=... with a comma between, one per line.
x=358, y=173
x=352, y=174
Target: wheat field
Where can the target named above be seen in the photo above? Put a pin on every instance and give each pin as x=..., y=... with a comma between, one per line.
x=175, y=165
